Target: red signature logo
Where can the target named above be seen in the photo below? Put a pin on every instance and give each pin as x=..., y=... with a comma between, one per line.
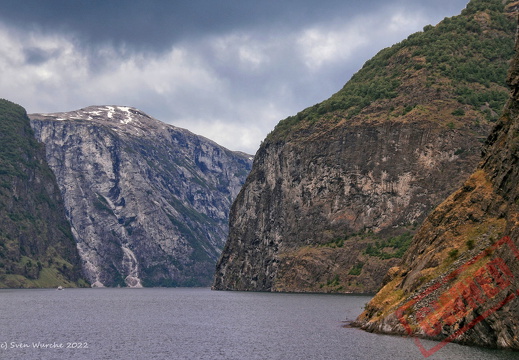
x=490, y=284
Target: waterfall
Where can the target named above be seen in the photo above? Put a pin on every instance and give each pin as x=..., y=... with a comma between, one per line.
x=131, y=267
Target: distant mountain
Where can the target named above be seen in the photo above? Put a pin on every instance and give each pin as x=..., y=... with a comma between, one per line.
x=336, y=192
x=148, y=202
x=36, y=246
x=460, y=275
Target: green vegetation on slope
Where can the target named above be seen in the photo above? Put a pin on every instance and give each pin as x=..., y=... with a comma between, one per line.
x=463, y=60
x=37, y=248
x=394, y=247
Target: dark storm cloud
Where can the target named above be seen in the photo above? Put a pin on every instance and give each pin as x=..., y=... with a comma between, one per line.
x=156, y=24
x=145, y=24
x=37, y=56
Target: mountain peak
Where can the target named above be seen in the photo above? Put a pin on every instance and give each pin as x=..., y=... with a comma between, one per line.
x=119, y=118
x=148, y=202
x=121, y=114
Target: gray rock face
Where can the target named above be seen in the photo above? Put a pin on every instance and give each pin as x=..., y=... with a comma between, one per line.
x=302, y=196
x=148, y=202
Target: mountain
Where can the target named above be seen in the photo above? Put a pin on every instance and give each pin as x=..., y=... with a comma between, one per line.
x=460, y=273
x=36, y=246
x=148, y=202
x=336, y=192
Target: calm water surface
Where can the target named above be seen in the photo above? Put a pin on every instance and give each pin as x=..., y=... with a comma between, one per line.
x=198, y=324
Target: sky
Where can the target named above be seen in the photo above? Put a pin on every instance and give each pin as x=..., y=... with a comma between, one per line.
x=229, y=70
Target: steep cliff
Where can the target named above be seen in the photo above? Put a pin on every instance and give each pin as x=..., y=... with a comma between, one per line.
x=36, y=246
x=336, y=192
x=148, y=202
x=459, y=279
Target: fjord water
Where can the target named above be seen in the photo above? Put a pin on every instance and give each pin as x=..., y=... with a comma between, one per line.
x=183, y=323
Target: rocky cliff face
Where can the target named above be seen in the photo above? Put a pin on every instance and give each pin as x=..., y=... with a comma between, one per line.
x=148, y=202
x=479, y=221
x=473, y=302
x=36, y=246
x=336, y=191
x=305, y=210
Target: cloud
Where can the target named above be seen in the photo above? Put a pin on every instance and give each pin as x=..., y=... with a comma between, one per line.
x=339, y=42
x=319, y=46
x=38, y=70
x=242, y=68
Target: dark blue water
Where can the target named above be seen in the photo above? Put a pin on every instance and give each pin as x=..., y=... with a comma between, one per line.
x=197, y=324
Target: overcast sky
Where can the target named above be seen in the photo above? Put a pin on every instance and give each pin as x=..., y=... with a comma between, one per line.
x=225, y=69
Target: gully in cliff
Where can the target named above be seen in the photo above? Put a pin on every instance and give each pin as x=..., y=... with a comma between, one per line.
x=475, y=297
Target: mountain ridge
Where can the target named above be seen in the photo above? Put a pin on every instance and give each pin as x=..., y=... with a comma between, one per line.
x=147, y=201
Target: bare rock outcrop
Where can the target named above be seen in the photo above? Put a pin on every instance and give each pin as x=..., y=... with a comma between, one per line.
x=148, y=202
